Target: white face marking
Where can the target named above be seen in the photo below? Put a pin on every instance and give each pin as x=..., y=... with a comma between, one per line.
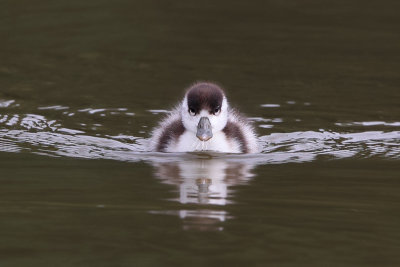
x=218, y=121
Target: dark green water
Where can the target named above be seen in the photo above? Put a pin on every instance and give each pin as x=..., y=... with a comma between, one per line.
x=83, y=82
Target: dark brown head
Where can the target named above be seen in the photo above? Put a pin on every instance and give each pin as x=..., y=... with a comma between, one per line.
x=204, y=110
x=205, y=96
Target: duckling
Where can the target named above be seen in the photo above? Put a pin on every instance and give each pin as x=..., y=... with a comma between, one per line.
x=203, y=121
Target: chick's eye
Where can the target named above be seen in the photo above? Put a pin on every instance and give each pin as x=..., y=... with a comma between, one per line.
x=192, y=111
x=217, y=111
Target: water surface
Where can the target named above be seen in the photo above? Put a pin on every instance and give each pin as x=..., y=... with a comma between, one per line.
x=82, y=84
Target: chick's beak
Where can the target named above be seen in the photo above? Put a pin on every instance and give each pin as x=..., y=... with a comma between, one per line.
x=204, y=132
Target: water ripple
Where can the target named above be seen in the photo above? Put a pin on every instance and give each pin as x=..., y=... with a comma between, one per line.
x=37, y=134
x=369, y=123
x=6, y=103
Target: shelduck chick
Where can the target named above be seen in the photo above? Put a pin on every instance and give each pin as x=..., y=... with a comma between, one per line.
x=203, y=121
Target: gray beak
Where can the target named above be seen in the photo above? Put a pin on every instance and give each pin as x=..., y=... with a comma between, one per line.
x=204, y=132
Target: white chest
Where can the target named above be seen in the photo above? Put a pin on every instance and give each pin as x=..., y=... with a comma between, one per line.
x=188, y=142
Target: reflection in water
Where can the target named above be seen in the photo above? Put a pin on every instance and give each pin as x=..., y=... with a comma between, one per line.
x=202, y=219
x=205, y=182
